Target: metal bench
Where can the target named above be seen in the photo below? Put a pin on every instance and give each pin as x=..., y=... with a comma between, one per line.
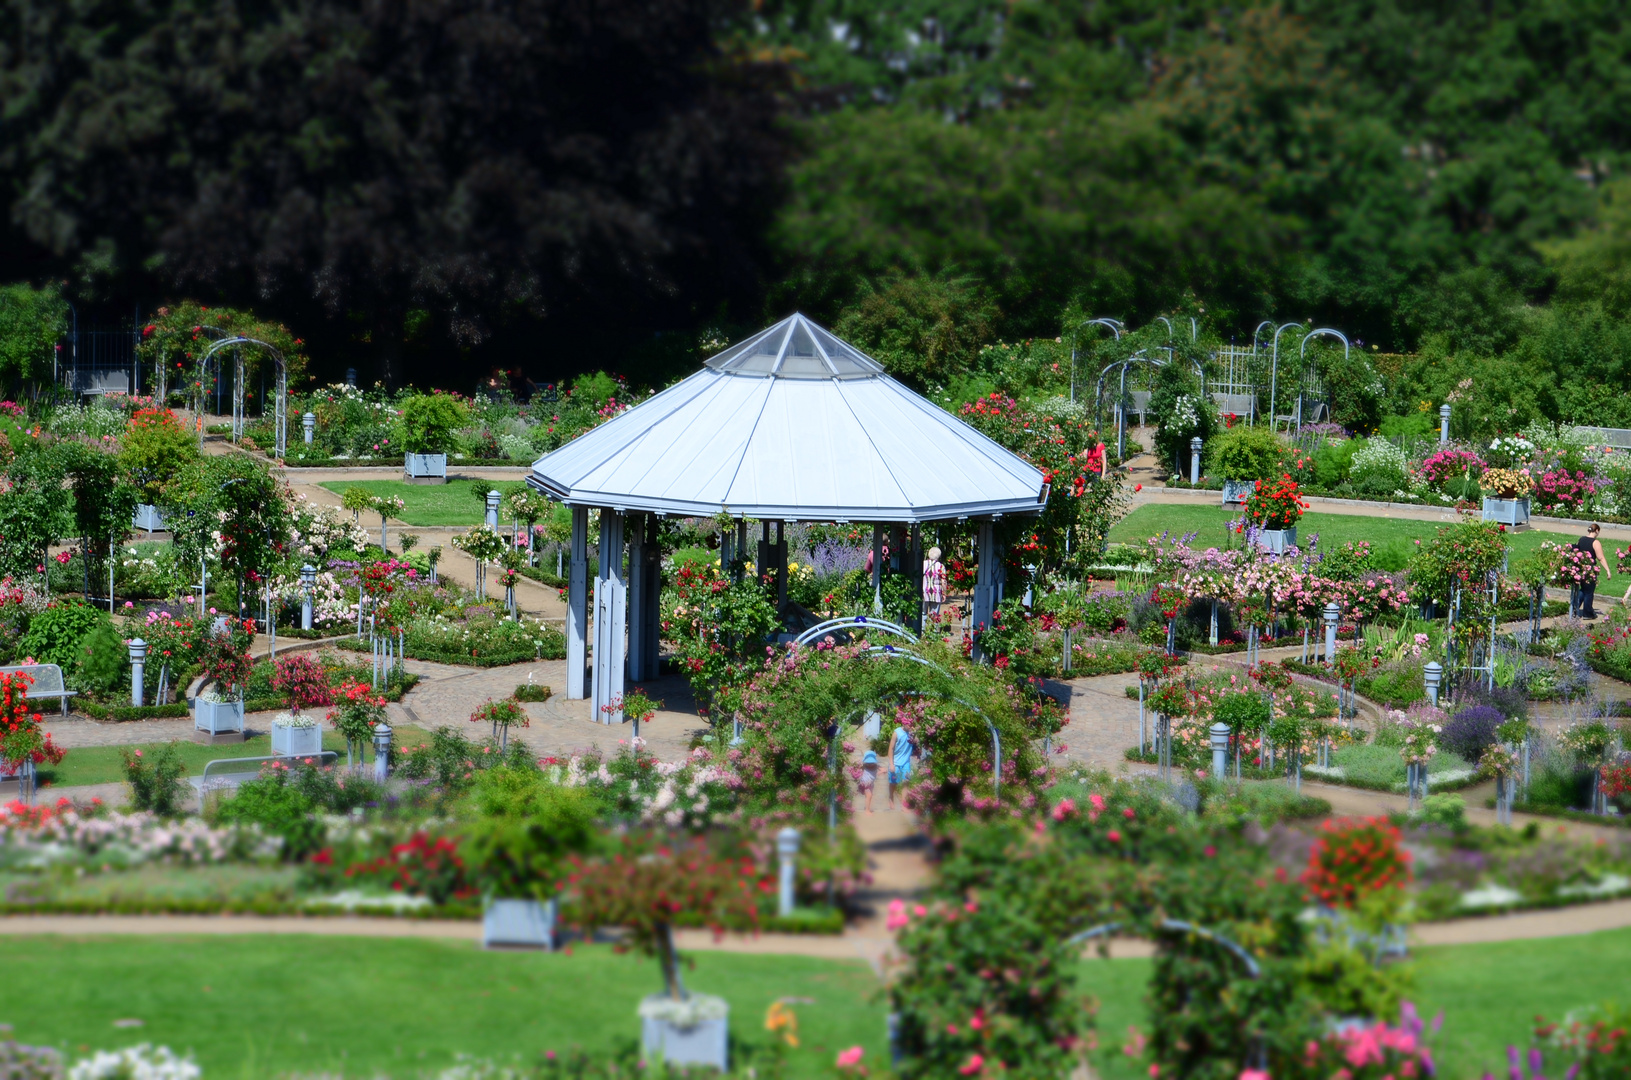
x=1618, y=438
x=223, y=779
x=47, y=685
x=1242, y=405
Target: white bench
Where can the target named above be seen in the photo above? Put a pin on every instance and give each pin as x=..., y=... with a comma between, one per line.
x=205, y=782
x=1618, y=438
x=47, y=684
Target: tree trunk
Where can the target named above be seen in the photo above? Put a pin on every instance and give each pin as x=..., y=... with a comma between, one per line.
x=670, y=961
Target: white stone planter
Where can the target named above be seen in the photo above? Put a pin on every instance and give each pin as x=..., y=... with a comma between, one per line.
x=296, y=741
x=1278, y=540
x=1512, y=512
x=148, y=519
x=694, y=1032
x=518, y=924
x=1235, y=492
x=218, y=717
x=425, y=468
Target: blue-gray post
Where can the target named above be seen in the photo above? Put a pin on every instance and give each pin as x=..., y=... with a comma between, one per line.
x=1220, y=750
x=1195, y=461
x=492, y=509
x=1444, y=423
x=382, y=752
x=138, y=669
x=787, y=847
x=1333, y=615
x=308, y=425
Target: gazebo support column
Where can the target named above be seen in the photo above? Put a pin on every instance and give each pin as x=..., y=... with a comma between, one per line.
x=913, y=569
x=577, y=606
x=611, y=622
x=773, y=558
x=985, y=584
x=644, y=586
x=877, y=569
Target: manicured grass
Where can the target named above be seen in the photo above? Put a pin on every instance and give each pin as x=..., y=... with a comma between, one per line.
x=1490, y=995
x=439, y=504
x=105, y=764
x=1391, y=541
x=264, y=1005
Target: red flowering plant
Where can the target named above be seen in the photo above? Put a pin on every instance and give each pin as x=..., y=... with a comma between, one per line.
x=302, y=682
x=224, y=654
x=653, y=884
x=1275, y=504
x=502, y=715
x=421, y=866
x=1596, y=1044
x=1373, y=1050
x=1359, y=865
x=20, y=736
x=357, y=711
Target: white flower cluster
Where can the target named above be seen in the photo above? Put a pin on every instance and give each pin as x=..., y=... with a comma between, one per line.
x=330, y=605
x=144, y=1062
x=65, y=836
x=1379, y=456
x=319, y=530
x=677, y=793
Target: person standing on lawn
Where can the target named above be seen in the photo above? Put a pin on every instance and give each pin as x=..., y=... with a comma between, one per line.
x=1592, y=545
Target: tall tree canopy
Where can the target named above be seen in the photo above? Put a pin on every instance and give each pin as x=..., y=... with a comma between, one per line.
x=479, y=160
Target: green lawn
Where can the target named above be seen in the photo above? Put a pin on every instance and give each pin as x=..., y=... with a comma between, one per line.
x=1490, y=995
x=264, y=1005
x=429, y=504
x=1390, y=540
x=105, y=764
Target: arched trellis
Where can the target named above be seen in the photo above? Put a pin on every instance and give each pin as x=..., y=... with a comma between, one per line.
x=887, y=652
x=1121, y=397
x=161, y=368
x=1309, y=375
x=1249, y=962
x=282, y=408
x=1115, y=326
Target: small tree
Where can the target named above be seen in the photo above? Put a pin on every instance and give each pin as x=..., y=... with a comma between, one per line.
x=300, y=679
x=31, y=322
x=649, y=886
x=428, y=423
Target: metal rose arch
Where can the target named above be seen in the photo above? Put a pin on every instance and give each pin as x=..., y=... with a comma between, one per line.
x=281, y=415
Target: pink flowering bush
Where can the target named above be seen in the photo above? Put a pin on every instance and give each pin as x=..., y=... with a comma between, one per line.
x=1450, y=464
x=1375, y=1051
x=1560, y=489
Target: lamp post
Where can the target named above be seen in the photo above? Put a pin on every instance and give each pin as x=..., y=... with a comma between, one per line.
x=382, y=753
x=308, y=582
x=493, y=498
x=138, y=668
x=308, y=426
x=1433, y=676
x=1220, y=750
x=1195, y=461
x=1332, y=615
x=787, y=849
x=1444, y=423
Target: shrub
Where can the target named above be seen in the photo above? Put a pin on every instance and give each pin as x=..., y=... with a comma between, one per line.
x=1355, y=860
x=531, y=691
x=104, y=660
x=54, y=635
x=420, y=867
x=302, y=682
x=280, y=808
x=1470, y=731
x=428, y=423
x=1379, y=467
x=1395, y=685
x=1332, y=462
x=524, y=828
x=1245, y=453
x=155, y=779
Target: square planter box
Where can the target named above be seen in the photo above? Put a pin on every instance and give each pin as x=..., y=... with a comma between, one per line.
x=704, y=1042
x=518, y=924
x=218, y=717
x=1277, y=540
x=1512, y=512
x=424, y=468
x=1235, y=492
x=296, y=741
x=149, y=519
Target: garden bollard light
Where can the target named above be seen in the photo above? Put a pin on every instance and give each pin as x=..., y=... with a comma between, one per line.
x=382, y=753
x=1220, y=750
x=351, y=376
x=308, y=426
x=308, y=581
x=1195, y=461
x=493, y=498
x=138, y=666
x=1332, y=615
x=1433, y=675
x=1444, y=423
x=787, y=847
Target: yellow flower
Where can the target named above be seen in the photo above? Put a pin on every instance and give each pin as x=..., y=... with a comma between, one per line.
x=779, y=1019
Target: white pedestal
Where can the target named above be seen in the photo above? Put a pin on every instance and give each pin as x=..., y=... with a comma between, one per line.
x=1512, y=512
x=424, y=468
x=518, y=924
x=296, y=741
x=687, y=1040
x=218, y=717
x=1278, y=540
x=148, y=519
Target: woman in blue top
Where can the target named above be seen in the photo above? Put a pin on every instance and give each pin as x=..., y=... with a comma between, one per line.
x=901, y=749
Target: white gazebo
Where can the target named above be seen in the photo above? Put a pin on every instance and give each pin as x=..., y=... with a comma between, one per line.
x=792, y=424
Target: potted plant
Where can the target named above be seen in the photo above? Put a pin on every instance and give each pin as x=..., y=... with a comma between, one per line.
x=428, y=422
x=1274, y=507
x=646, y=888
x=22, y=744
x=522, y=829
x=357, y=712
x=155, y=447
x=218, y=710
x=1243, y=455
x=303, y=684
x=1510, y=503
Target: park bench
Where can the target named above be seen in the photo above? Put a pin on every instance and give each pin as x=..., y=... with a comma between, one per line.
x=1242, y=405
x=47, y=683
x=210, y=780
x=1618, y=438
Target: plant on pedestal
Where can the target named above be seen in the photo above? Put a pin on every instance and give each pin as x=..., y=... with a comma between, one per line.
x=1275, y=504
x=357, y=712
x=20, y=736
x=502, y=715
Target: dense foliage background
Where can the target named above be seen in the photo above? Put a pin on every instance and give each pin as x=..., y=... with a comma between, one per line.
x=1439, y=179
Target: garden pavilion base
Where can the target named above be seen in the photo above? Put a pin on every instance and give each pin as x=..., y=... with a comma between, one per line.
x=792, y=424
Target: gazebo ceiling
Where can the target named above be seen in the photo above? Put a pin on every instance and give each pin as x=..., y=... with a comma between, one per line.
x=791, y=424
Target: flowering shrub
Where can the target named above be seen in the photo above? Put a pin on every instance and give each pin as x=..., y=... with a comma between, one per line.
x=1275, y=504
x=502, y=715
x=1562, y=490
x=1353, y=859
x=421, y=866
x=20, y=735
x=1373, y=1051
x=1509, y=483
x=142, y=1062
x=1418, y=742
x=1449, y=464
x=1596, y=1044
x=155, y=780
x=301, y=680
x=92, y=837
x=357, y=711
x=1570, y=566
x=1510, y=452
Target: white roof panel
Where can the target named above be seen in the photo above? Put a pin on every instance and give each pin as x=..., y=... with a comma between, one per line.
x=792, y=424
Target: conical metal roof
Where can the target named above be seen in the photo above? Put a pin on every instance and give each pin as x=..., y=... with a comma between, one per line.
x=792, y=424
